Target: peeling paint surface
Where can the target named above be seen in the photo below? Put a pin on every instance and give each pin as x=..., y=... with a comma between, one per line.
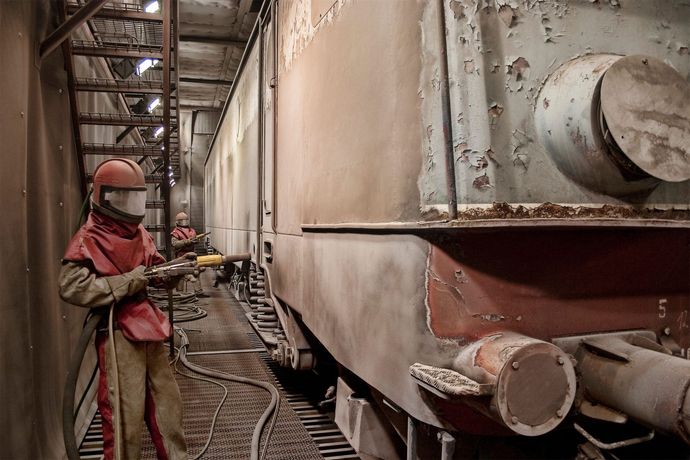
x=500, y=53
x=300, y=22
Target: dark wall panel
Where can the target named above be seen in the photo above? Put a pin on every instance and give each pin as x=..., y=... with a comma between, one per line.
x=39, y=185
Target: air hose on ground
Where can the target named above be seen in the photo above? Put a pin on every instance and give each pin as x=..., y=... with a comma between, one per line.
x=218, y=408
x=184, y=305
x=272, y=408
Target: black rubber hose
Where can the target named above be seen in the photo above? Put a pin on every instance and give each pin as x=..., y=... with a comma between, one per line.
x=68, y=415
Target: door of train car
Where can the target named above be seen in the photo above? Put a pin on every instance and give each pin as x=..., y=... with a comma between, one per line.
x=268, y=99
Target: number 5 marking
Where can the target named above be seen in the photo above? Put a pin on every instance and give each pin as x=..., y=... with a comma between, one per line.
x=662, y=308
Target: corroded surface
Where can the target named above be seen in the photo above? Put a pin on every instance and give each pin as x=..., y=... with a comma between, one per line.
x=552, y=283
x=647, y=108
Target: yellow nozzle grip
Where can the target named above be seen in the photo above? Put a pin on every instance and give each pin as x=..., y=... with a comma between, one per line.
x=209, y=261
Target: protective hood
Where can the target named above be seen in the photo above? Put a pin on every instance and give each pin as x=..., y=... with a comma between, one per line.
x=114, y=247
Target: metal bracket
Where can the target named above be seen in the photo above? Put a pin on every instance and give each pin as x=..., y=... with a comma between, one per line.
x=571, y=344
x=613, y=445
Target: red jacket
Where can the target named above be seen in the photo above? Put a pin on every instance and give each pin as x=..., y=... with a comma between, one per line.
x=114, y=247
x=182, y=233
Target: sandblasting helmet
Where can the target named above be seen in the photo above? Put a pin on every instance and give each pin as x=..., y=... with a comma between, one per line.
x=182, y=219
x=119, y=190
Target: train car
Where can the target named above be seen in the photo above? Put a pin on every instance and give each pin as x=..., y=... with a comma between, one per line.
x=478, y=209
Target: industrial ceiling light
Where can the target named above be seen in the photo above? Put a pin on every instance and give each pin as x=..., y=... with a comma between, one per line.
x=155, y=103
x=145, y=64
x=152, y=7
x=158, y=131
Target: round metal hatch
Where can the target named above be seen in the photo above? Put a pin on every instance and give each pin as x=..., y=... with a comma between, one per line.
x=646, y=106
x=535, y=389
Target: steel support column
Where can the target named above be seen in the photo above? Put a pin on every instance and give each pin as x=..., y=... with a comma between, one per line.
x=73, y=104
x=165, y=182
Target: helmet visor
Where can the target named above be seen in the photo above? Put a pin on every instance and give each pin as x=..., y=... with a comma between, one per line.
x=128, y=202
x=183, y=222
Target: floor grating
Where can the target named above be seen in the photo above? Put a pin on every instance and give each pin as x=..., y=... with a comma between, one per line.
x=301, y=430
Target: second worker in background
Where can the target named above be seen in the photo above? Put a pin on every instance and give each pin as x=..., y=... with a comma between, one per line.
x=183, y=239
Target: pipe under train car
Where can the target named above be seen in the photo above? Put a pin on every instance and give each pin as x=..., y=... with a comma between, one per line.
x=558, y=288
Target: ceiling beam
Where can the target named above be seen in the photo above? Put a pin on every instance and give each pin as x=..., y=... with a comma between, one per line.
x=87, y=48
x=115, y=12
x=205, y=81
x=66, y=28
x=199, y=108
x=212, y=41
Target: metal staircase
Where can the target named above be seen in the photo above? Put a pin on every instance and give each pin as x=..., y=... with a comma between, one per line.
x=136, y=47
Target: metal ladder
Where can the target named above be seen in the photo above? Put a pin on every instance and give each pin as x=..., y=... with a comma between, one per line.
x=125, y=32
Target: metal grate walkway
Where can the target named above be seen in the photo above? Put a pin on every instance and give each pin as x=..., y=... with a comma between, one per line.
x=301, y=431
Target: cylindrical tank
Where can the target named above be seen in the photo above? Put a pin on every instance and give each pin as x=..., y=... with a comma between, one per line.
x=616, y=125
x=649, y=386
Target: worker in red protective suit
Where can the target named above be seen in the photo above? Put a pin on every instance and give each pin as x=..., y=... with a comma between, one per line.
x=183, y=240
x=182, y=235
x=104, y=265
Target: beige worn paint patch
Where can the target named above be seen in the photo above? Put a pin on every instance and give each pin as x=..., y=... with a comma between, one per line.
x=348, y=121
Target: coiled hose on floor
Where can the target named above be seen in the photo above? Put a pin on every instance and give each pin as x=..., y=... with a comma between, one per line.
x=184, y=305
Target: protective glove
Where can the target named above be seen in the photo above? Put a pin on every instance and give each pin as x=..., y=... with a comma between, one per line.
x=127, y=284
x=138, y=281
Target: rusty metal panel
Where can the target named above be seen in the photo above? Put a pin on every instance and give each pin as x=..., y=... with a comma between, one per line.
x=371, y=322
x=600, y=280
